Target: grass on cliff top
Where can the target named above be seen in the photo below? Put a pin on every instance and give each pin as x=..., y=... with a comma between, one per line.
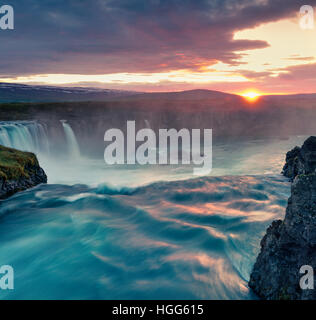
x=13, y=163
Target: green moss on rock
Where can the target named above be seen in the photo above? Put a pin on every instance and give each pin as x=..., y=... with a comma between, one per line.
x=18, y=171
x=15, y=164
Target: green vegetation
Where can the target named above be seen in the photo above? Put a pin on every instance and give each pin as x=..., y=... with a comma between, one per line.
x=16, y=164
x=283, y=295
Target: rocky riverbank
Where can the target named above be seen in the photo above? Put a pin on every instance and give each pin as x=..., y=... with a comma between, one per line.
x=290, y=244
x=18, y=171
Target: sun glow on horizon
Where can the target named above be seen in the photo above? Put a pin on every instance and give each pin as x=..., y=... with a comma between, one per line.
x=251, y=95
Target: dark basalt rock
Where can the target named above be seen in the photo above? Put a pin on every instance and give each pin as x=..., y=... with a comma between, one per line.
x=290, y=244
x=18, y=171
x=10, y=187
x=301, y=160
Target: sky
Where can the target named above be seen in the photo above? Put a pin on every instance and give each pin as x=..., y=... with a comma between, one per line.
x=161, y=45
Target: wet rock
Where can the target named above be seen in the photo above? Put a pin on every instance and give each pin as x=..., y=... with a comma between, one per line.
x=18, y=171
x=301, y=160
x=290, y=244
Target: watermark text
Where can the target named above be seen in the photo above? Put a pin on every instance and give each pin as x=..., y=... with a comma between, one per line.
x=145, y=147
x=307, y=17
x=6, y=17
x=307, y=280
x=6, y=277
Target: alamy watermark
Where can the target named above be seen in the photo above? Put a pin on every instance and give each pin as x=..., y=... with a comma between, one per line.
x=307, y=280
x=307, y=17
x=6, y=278
x=6, y=17
x=145, y=147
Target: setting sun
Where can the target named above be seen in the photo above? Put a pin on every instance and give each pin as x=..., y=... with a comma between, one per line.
x=251, y=96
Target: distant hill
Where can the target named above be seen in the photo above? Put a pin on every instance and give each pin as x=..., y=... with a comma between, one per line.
x=190, y=100
x=192, y=95
x=12, y=92
x=292, y=96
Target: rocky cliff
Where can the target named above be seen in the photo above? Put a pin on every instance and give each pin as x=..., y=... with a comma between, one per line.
x=290, y=244
x=301, y=160
x=18, y=171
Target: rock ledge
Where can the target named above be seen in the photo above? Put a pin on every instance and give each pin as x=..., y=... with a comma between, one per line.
x=18, y=171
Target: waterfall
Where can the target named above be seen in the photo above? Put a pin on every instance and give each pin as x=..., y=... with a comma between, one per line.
x=148, y=126
x=28, y=136
x=32, y=136
x=73, y=146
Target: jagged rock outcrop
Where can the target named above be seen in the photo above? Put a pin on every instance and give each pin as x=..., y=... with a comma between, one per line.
x=290, y=244
x=18, y=171
x=301, y=160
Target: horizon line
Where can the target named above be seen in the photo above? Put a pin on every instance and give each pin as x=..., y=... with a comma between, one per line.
x=78, y=86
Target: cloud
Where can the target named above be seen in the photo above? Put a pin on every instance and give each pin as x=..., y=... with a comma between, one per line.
x=301, y=58
x=299, y=73
x=292, y=79
x=108, y=36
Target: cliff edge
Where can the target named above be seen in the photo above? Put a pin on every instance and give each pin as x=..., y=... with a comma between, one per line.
x=18, y=171
x=301, y=160
x=290, y=244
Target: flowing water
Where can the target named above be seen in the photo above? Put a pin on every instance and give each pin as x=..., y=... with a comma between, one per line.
x=74, y=150
x=120, y=232
x=24, y=135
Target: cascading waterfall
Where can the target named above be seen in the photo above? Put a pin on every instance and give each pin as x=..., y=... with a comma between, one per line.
x=73, y=146
x=148, y=126
x=32, y=136
x=28, y=136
